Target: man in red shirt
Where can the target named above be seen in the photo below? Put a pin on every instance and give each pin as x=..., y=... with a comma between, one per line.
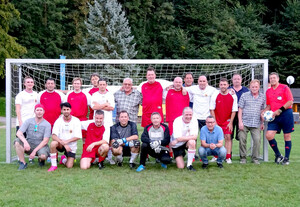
x=152, y=97
x=224, y=107
x=175, y=102
x=96, y=143
x=279, y=99
x=51, y=100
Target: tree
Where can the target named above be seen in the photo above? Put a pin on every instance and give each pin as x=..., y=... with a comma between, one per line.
x=9, y=48
x=109, y=35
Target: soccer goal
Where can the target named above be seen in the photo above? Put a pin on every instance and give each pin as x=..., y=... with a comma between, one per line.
x=64, y=70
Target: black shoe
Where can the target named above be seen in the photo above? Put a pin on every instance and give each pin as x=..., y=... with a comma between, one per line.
x=196, y=157
x=220, y=165
x=279, y=159
x=285, y=161
x=132, y=165
x=191, y=168
x=41, y=163
x=120, y=164
x=157, y=160
x=22, y=166
x=204, y=166
x=101, y=165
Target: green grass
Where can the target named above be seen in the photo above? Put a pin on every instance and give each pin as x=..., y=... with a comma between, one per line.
x=267, y=184
x=2, y=106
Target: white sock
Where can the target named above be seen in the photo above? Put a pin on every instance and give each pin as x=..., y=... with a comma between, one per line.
x=64, y=160
x=191, y=155
x=53, y=159
x=120, y=158
x=133, y=157
x=109, y=154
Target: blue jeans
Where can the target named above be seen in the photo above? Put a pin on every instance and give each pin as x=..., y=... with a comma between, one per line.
x=220, y=152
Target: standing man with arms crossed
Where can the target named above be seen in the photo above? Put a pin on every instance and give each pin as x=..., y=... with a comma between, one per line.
x=223, y=108
x=212, y=137
x=184, y=137
x=51, y=100
x=251, y=105
x=124, y=139
x=25, y=102
x=155, y=138
x=66, y=132
x=128, y=100
x=96, y=144
x=280, y=100
x=38, y=132
x=238, y=90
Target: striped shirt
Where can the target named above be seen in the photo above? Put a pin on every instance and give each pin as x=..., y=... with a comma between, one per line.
x=251, y=109
x=129, y=103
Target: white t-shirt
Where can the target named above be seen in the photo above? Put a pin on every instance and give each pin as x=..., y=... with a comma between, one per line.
x=67, y=130
x=101, y=99
x=181, y=129
x=201, y=100
x=27, y=102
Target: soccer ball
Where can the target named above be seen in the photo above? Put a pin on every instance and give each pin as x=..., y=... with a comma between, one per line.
x=268, y=116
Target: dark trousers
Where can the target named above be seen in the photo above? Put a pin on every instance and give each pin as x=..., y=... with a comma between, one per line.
x=163, y=156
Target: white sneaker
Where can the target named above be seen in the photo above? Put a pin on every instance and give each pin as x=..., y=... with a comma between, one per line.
x=111, y=161
x=213, y=159
x=228, y=161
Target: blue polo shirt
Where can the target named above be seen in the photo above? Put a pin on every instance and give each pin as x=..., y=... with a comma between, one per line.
x=211, y=137
x=240, y=92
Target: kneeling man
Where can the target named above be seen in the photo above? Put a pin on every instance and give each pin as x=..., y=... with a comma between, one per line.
x=96, y=143
x=185, y=132
x=66, y=132
x=155, y=138
x=212, y=137
x=38, y=132
x=124, y=139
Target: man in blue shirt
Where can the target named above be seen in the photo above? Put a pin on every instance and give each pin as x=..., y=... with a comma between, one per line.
x=212, y=137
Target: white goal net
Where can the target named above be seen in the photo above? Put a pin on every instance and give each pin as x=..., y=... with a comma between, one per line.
x=114, y=71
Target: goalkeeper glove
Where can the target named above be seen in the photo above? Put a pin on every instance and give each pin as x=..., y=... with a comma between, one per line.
x=154, y=144
x=134, y=143
x=115, y=144
x=157, y=150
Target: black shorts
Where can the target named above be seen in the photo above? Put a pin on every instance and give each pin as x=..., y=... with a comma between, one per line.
x=126, y=151
x=68, y=154
x=179, y=151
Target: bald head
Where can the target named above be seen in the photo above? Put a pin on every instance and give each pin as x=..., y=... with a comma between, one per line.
x=202, y=82
x=177, y=83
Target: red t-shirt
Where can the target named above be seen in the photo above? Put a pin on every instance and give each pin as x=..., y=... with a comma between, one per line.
x=51, y=103
x=152, y=101
x=276, y=98
x=79, y=105
x=92, y=91
x=223, y=108
x=175, y=103
x=94, y=134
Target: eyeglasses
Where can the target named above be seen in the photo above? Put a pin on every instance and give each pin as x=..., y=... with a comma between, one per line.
x=35, y=128
x=210, y=122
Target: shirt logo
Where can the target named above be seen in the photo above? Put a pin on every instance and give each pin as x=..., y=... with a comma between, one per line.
x=279, y=98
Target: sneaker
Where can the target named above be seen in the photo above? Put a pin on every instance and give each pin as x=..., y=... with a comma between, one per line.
x=22, y=166
x=243, y=161
x=285, y=161
x=157, y=160
x=229, y=161
x=31, y=161
x=279, y=159
x=220, y=165
x=256, y=162
x=140, y=168
x=61, y=159
x=204, y=166
x=101, y=165
x=111, y=161
x=132, y=165
x=164, y=166
x=213, y=159
x=191, y=168
x=41, y=163
x=120, y=164
x=52, y=168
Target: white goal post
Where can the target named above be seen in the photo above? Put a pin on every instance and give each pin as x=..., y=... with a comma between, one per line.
x=64, y=70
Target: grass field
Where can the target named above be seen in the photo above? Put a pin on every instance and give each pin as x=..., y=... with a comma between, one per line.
x=267, y=184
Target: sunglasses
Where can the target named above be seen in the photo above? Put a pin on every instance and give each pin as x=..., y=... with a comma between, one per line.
x=35, y=128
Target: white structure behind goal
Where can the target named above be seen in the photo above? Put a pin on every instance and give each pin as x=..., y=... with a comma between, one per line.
x=115, y=71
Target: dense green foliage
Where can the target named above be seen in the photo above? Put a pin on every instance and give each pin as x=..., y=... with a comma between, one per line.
x=209, y=29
